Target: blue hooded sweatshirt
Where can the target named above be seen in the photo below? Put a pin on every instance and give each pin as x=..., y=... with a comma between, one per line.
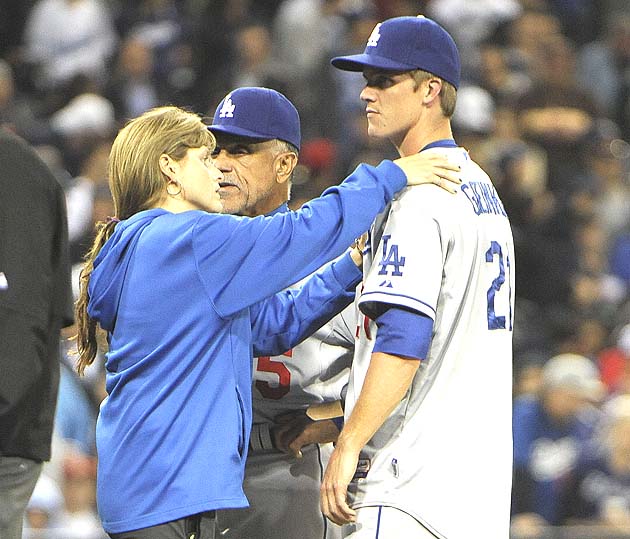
x=183, y=299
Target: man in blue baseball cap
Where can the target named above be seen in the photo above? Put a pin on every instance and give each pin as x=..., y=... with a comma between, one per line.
x=258, y=139
x=426, y=448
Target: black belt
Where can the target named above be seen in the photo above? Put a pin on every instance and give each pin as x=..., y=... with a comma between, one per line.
x=192, y=524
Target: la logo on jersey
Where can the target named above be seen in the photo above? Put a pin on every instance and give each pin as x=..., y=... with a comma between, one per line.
x=227, y=110
x=390, y=258
x=374, y=36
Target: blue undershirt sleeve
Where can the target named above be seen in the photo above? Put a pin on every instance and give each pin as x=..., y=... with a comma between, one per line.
x=403, y=333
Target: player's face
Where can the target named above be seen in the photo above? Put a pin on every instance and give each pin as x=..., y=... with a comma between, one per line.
x=249, y=184
x=200, y=180
x=393, y=105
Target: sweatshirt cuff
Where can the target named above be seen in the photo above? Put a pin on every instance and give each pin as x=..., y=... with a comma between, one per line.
x=346, y=271
x=397, y=179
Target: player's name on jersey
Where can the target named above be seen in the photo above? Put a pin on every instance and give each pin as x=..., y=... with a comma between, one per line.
x=484, y=198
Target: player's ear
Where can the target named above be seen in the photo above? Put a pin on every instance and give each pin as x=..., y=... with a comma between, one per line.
x=431, y=89
x=284, y=164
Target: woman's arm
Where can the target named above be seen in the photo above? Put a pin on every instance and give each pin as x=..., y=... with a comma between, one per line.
x=282, y=321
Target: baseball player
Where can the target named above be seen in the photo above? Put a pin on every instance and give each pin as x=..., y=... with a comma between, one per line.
x=426, y=449
x=258, y=140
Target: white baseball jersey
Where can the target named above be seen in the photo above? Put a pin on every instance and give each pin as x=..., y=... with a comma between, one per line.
x=283, y=491
x=444, y=455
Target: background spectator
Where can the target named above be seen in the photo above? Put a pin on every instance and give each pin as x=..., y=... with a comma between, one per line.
x=550, y=430
x=601, y=491
x=35, y=303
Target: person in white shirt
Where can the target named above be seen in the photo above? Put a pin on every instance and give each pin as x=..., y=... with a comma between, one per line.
x=426, y=449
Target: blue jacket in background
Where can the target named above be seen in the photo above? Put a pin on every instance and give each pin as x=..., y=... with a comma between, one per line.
x=546, y=454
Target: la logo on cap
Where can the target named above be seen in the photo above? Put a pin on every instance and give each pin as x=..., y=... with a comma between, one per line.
x=227, y=110
x=374, y=36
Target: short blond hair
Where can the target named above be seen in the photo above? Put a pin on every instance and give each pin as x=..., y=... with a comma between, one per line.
x=448, y=95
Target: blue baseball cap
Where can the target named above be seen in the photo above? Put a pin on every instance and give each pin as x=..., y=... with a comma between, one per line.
x=405, y=44
x=257, y=113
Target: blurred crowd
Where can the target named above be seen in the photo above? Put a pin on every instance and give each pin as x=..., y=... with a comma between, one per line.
x=544, y=107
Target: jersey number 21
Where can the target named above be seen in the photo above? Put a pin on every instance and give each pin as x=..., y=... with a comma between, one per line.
x=494, y=255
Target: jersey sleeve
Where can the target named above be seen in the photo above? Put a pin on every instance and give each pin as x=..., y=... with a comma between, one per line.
x=407, y=263
x=243, y=261
x=285, y=319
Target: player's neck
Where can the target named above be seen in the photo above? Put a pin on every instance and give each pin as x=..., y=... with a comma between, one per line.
x=266, y=206
x=420, y=135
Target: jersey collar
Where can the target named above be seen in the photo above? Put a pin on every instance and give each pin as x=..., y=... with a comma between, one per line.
x=442, y=143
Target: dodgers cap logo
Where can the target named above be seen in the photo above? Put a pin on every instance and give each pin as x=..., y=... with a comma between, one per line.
x=374, y=37
x=257, y=113
x=405, y=44
x=227, y=110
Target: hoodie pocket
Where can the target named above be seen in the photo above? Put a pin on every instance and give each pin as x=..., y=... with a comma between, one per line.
x=241, y=414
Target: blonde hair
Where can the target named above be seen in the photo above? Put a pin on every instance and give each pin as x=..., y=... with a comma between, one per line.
x=448, y=94
x=136, y=183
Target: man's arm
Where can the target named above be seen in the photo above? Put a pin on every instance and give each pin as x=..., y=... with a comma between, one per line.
x=387, y=381
x=294, y=430
x=318, y=424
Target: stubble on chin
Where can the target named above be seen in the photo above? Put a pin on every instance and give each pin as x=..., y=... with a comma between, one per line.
x=375, y=131
x=230, y=206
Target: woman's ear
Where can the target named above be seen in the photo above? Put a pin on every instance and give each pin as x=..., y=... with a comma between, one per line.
x=168, y=166
x=285, y=164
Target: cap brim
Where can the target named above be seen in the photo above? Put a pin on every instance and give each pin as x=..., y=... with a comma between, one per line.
x=357, y=62
x=237, y=131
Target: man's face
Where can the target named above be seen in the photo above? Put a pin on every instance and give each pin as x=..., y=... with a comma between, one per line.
x=393, y=104
x=249, y=185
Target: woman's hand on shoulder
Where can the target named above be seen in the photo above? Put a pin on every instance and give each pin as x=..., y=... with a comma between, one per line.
x=433, y=168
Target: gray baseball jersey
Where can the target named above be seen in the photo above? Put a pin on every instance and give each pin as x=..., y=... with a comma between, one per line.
x=313, y=372
x=283, y=491
x=444, y=455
